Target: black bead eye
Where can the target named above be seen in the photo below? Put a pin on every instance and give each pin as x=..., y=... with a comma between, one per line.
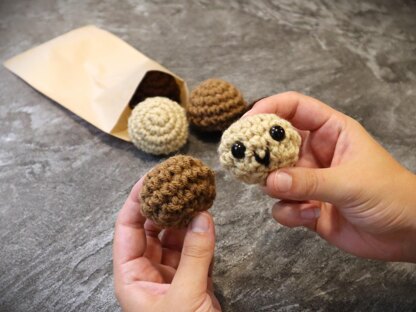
x=277, y=133
x=238, y=149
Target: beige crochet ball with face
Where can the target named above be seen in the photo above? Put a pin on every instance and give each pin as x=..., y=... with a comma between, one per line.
x=256, y=145
x=158, y=126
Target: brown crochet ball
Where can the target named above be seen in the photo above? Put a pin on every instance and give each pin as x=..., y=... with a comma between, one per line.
x=214, y=105
x=176, y=190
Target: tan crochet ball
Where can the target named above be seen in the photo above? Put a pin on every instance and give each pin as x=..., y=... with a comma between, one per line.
x=256, y=145
x=158, y=126
x=214, y=105
x=176, y=190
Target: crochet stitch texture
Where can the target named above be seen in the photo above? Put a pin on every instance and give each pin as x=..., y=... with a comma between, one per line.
x=257, y=151
x=176, y=190
x=214, y=105
x=156, y=83
x=158, y=126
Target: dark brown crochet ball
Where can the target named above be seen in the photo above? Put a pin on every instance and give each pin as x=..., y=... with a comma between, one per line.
x=153, y=84
x=214, y=105
x=176, y=190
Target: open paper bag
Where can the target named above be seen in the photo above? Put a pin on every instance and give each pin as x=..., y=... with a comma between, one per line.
x=97, y=76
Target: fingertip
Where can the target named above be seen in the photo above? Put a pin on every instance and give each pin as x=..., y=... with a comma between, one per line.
x=310, y=213
x=256, y=107
x=151, y=228
x=270, y=179
x=201, y=223
x=296, y=214
x=284, y=214
x=141, y=180
x=135, y=190
x=247, y=113
x=275, y=211
x=268, y=186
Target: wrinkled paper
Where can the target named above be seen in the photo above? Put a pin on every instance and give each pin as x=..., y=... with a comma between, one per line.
x=96, y=75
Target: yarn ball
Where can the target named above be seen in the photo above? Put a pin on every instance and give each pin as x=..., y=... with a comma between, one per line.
x=156, y=83
x=176, y=190
x=214, y=105
x=158, y=126
x=256, y=145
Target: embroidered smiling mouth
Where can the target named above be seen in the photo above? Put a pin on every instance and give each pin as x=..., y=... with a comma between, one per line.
x=265, y=160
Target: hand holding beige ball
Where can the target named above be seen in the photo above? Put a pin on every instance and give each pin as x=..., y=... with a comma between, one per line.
x=345, y=187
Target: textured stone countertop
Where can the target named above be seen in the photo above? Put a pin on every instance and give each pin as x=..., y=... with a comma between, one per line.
x=62, y=181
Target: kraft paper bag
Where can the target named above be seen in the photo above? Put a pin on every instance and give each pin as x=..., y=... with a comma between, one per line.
x=97, y=76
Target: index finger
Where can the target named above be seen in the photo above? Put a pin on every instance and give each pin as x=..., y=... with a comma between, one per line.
x=129, y=234
x=304, y=112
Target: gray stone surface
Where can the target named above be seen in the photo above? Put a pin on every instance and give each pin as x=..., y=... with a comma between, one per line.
x=63, y=181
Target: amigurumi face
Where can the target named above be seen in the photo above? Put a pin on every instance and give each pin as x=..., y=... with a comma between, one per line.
x=256, y=145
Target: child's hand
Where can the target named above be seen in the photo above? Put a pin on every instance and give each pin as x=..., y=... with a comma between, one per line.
x=167, y=274
x=346, y=187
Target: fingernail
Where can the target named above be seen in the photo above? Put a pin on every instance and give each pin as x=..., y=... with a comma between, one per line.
x=200, y=223
x=310, y=214
x=283, y=181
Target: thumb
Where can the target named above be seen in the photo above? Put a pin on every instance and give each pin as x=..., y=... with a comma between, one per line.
x=191, y=278
x=328, y=184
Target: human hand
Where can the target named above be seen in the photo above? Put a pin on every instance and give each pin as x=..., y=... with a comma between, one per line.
x=345, y=186
x=162, y=274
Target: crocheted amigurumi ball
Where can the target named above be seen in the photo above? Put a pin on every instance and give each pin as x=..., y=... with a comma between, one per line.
x=156, y=83
x=176, y=190
x=158, y=126
x=256, y=145
x=214, y=105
